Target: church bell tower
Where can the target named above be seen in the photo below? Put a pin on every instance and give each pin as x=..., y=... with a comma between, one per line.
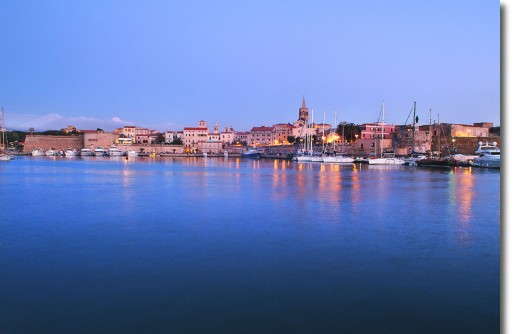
x=303, y=112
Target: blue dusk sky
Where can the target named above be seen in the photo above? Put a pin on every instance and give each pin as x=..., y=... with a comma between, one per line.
x=168, y=64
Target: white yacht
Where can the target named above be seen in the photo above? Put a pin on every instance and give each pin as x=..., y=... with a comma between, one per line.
x=386, y=159
x=115, y=152
x=51, y=152
x=338, y=159
x=71, y=152
x=99, y=152
x=86, y=152
x=38, y=152
x=132, y=153
x=5, y=157
x=317, y=158
x=489, y=156
x=304, y=156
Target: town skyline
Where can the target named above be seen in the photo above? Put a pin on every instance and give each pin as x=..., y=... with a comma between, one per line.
x=56, y=122
x=167, y=65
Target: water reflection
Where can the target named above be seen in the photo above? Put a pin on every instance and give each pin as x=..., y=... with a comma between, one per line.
x=461, y=197
x=355, y=193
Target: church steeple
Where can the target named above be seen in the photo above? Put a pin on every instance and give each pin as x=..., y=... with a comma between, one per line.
x=303, y=112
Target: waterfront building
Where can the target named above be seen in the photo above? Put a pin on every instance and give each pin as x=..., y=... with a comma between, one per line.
x=442, y=138
x=210, y=147
x=369, y=140
x=170, y=136
x=242, y=137
x=142, y=139
x=126, y=134
x=261, y=135
x=281, y=132
x=228, y=135
x=98, y=138
x=69, y=129
x=193, y=135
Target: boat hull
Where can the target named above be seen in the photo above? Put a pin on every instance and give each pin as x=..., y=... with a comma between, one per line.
x=386, y=161
x=486, y=163
x=440, y=163
x=250, y=155
x=338, y=160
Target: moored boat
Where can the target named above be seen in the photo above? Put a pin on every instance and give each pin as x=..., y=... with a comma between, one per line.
x=38, y=152
x=383, y=158
x=386, y=159
x=115, y=152
x=435, y=162
x=5, y=157
x=489, y=156
x=51, y=152
x=87, y=152
x=71, y=152
x=99, y=152
x=338, y=159
x=251, y=153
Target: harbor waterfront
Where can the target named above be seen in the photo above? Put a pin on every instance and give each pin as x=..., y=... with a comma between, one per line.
x=220, y=245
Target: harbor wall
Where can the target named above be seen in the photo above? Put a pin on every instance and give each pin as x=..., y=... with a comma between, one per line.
x=60, y=143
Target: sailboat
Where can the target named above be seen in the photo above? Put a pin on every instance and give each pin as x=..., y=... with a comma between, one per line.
x=337, y=159
x=436, y=161
x=3, y=143
x=386, y=158
x=306, y=155
x=319, y=157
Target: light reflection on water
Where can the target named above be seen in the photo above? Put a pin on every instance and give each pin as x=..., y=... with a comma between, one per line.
x=247, y=246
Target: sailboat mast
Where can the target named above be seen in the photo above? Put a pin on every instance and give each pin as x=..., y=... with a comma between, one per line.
x=430, y=132
x=382, y=128
x=439, y=138
x=323, y=135
x=335, y=129
x=414, y=122
x=3, y=131
x=312, y=127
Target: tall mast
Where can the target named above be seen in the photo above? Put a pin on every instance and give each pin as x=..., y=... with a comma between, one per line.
x=312, y=127
x=430, y=132
x=382, y=128
x=323, y=135
x=414, y=121
x=439, y=138
x=335, y=129
x=3, y=141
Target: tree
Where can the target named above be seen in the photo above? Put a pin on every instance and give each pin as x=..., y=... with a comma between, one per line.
x=347, y=131
x=177, y=141
x=291, y=139
x=160, y=139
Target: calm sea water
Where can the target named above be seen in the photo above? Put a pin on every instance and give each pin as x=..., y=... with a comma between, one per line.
x=195, y=245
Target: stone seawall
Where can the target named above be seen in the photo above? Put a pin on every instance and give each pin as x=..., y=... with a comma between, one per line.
x=60, y=143
x=175, y=149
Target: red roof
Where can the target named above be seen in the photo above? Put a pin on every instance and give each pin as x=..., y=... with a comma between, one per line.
x=262, y=128
x=198, y=128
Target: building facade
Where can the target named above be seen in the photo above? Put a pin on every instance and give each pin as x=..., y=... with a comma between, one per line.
x=261, y=135
x=194, y=135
